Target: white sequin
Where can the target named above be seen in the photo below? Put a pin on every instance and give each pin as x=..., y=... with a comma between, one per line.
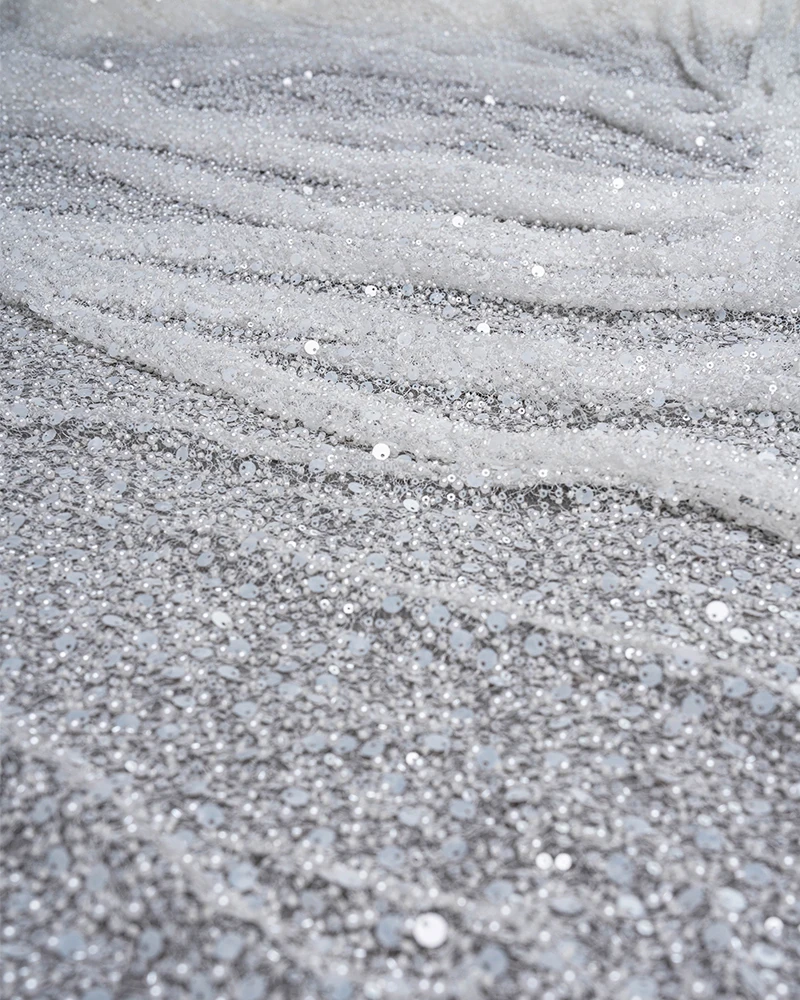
x=717, y=611
x=430, y=930
x=221, y=619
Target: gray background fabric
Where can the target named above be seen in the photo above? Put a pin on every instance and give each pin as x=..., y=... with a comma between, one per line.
x=399, y=544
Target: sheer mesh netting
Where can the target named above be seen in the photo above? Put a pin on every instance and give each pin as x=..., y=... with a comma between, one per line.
x=401, y=511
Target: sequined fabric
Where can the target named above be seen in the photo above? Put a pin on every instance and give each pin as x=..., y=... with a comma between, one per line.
x=399, y=562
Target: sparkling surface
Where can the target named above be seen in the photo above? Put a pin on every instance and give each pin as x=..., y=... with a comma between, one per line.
x=398, y=554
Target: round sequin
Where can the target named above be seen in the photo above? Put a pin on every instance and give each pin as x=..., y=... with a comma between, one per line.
x=430, y=930
x=717, y=611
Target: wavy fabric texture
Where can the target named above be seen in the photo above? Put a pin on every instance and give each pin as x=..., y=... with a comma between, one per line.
x=401, y=501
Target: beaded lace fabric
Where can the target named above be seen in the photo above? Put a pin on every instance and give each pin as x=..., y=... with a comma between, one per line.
x=399, y=569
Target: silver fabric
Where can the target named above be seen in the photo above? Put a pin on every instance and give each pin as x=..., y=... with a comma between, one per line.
x=399, y=562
